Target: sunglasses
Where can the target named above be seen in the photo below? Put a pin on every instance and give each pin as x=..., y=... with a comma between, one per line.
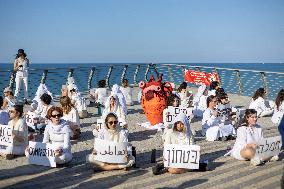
x=56, y=115
x=112, y=122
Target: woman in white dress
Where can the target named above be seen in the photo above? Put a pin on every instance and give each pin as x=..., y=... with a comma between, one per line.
x=71, y=116
x=213, y=126
x=110, y=132
x=248, y=136
x=113, y=105
x=127, y=92
x=279, y=108
x=19, y=134
x=57, y=132
x=116, y=90
x=263, y=108
x=200, y=101
x=9, y=100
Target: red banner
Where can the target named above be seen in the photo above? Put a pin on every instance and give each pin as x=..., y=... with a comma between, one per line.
x=199, y=78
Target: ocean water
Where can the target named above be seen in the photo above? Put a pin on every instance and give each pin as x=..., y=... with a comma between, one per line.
x=57, y=75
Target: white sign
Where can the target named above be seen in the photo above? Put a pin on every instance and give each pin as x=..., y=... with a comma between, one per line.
x=6, y=135
x=30, y=119
x=269, y=147
x=111, y=152
x=42, y=154
x=171, y=112
x=181, y=156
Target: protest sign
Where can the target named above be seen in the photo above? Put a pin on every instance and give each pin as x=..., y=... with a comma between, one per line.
x=42, y=154
x=6, y=135
x=110, y=152
x=268, y=147
x=171, y=112
x=181, y=156
x=199, y=78
x=30, y=119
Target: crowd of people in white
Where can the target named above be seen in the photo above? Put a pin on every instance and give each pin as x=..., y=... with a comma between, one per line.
x=60, y=123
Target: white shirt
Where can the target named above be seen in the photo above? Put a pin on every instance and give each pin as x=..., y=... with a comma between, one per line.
x=258, y=105
x=127, y=93
x=72, y=117
x=22, y=71
x=101, y=94
x=278, y=113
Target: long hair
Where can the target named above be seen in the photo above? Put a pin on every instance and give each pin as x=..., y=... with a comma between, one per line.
x=183, y=85
x=248, y=113
x=260, y=92
x=214, y=84
x=170, y=99
x=280, y=98
x=210, y=99
x=109, y=116
x=66, y=104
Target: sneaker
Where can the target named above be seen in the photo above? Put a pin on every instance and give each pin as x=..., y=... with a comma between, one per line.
x=204, y=166
x=255, y=161
x=159, y=169
x=274, y=158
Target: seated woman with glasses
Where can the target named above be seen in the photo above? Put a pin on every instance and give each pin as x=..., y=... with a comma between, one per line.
x=19, y=134
x=110, y=132
x=213, y=126
x=263, y=108
x=57, y=132
x=225, y=109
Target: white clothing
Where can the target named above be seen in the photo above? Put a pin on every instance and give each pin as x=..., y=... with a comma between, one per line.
x=212, y=92
x=11, y=102
x=22, y=75
x=40, y=91
x=116, y=90
x=60, y=136
x=200, y=106
x=278, y=113
x=20, y=129
x=118, y=110
x=4, y=117
x=41, y=110
x=127, y=93
x=246, y=135
x=100, y=94
x=213, y=127
x=260, y=107
x=72, y=117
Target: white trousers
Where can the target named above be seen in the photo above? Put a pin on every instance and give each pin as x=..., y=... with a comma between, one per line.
x=18, y=81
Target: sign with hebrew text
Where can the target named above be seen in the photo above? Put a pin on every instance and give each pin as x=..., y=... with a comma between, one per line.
x=5, y=135
x=181, y=156
x=268, y=147
x=171, y=112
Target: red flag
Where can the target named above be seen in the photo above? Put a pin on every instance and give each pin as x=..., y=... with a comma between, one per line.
x=199, y=78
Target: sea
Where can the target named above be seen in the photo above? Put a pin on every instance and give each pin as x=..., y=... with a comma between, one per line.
x=58, y=73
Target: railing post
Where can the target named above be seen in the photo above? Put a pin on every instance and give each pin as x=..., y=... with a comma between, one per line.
x=146, y=72
x=43, y=77
x=12, y=80
x=216, y=70
x=155, y=69
x=70, y=73
x=135, y=75
x=123, y=73
x=264, y=81
x=91, y=77
x=198, y=68
x=108, y=75
x=171, y=74
x=238, y=75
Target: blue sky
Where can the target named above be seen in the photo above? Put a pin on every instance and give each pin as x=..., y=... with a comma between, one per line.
x=160, y=31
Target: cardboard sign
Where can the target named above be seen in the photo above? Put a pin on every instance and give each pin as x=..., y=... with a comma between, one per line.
x=181, y=156
x=171, y=112
x=30, y=119
x=199, y=78
x=6, y=135
x=269, y=147
x=110, y=152
x=42, y=154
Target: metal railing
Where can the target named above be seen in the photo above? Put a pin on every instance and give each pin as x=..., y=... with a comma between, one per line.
x=238, y=81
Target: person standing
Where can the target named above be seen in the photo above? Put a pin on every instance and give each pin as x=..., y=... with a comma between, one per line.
x=21, y=67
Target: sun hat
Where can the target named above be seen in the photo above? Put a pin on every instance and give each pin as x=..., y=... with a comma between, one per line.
x=7, y=89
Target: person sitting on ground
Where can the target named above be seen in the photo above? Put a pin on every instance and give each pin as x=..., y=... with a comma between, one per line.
x=77, y=100
x=71, y=116
x=99, y=95
x=19, y=134
x=279, y=108
x=214, y=85
x=185, y=96
x=110, y=132
x=199, y=101
x=225, y=110
x=182, y=135
x=57, y=132
x=127, y=92
x=220, y=91
x=213, y=126
x=116, y=90
x=258, y=103
x=9, y=100
x=40, y=91
x=4, y=116
x=248, y=136
x=41, y=112
x=112, y=105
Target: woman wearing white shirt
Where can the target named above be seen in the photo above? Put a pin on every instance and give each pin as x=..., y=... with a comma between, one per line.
x=116, y=90
x=21, y=66
x=19, y=133
x=57, y=132
x=112, y=105
x=199, y=101
x=127, y=92
x=258, y=103
x=99, y=94
x=110, y=132
x=279, y=108
x=213, y=127
x=248, y=136
x=9, y=100
x=70, y=114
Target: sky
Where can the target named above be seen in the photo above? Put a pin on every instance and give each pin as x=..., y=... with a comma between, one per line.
x=143, y=31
